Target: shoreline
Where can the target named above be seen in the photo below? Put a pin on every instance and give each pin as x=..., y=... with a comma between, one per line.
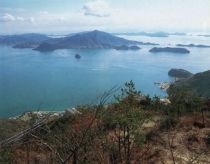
x=41, y=114
x=163, y=85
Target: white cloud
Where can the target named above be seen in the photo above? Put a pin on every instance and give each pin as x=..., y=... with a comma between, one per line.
x=7, y=18
x=98, y=8
x=20, y=19
x=32, y=20
x=11, y=18
x=98, y=14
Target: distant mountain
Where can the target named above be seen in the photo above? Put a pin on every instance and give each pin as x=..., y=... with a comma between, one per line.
x=199, y=84
x=179, y=73
x=151, y=34
x=169, y=49
x=207, y=35
x=193, y=45
x=93, y=39
x=23, y=40
x=178, y=33
x=155, y=34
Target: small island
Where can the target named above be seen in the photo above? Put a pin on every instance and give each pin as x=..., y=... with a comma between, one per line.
x=77, y=56
x=169, y=49
x=179, y=73
x=124, y=47
x=193, y=45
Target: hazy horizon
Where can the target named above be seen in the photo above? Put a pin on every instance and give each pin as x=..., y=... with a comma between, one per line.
x=63, y=17
x=66, y=33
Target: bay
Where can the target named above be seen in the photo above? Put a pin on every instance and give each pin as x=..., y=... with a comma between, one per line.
x=30, y=80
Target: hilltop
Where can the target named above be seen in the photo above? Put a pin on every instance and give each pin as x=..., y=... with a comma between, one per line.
x=179, y=73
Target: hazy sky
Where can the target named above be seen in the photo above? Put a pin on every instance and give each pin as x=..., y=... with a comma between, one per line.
x=65, y=16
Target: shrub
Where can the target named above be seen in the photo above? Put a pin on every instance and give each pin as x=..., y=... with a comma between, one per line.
x=6, y=155
x=208, y=139
x=168, y=122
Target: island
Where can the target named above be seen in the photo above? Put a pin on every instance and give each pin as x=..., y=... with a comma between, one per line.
x=205, y=35
x=83, y=40
x=179, y=73
x=124, y=47
x=151, y=34
x=26, y=45
x=77, y=56
x=169, y=49
x=88, y=40
x=193, y=45
x=30, y=40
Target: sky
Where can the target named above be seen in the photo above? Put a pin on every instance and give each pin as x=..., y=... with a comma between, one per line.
x=67, y=16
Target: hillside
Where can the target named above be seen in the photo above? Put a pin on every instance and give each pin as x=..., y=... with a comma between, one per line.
x=199, y=84
x=134, y=129
x=179, y=73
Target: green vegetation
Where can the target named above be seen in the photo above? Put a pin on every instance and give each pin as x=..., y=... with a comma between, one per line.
x=198, y=84
x=134, y=129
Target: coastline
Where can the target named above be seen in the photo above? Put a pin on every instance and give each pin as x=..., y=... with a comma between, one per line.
x=163, y=85
x=42, y=114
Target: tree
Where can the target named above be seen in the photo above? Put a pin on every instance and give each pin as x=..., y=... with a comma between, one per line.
x=73, y=136
x=126, y=117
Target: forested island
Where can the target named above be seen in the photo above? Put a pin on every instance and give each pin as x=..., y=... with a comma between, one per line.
x=169, y=49
x=85, y=40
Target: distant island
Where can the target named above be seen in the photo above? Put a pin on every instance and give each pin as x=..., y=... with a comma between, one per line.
x=179, y=73
x=84, y=40
x=124, y=47
x=26, y=45
x=30, y=40
x=77, y=56
x=151, y=34
x=88, y=40
x=193, y=45
x=207, y=35
x=169, y=49
x=155, y=34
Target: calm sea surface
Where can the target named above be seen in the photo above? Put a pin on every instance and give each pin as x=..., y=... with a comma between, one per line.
x=56, y=80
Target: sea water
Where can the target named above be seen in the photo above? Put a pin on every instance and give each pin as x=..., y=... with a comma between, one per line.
x=31, y=80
